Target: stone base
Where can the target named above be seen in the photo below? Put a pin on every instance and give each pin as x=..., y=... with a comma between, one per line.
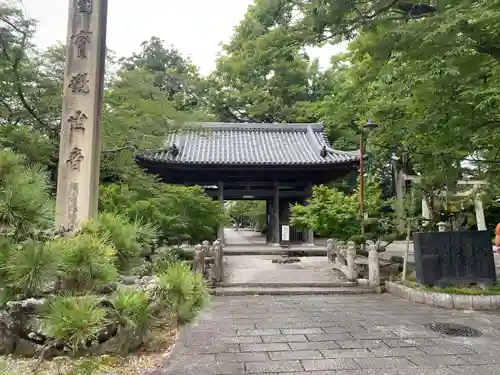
x=444, y=300
x=308, y=244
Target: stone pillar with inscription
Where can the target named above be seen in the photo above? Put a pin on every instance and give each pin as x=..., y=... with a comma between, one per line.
x=80, y=145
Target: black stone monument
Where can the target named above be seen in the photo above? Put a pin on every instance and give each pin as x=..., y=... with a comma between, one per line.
x=445, y=258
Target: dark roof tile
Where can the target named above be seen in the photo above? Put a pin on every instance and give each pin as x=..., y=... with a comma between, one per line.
x=236, y=143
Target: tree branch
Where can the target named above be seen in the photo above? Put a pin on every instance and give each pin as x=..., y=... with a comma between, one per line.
x=15, y=64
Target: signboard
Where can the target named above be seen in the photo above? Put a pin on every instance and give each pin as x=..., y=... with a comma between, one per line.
x=285, y=233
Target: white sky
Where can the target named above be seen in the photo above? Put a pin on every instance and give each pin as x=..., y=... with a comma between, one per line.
x=195, y=27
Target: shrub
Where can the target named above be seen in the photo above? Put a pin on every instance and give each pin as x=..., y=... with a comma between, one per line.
x=29, y=268
x=86, y=261
x=182, y=291
x=77, y=321
x=128, y=238
x=25, y=202
x=134, y=313
x=180, y=212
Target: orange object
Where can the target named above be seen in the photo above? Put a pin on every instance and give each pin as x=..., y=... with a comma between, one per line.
x=497, y=235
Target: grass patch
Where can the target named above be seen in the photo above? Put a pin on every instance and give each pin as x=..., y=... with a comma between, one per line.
x=470, y=290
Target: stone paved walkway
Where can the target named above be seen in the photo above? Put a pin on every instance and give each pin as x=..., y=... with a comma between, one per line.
x=261, y=269
x=338, y=335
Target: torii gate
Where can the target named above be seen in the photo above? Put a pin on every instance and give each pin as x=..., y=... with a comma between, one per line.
x=80, y=144
x=478, y=203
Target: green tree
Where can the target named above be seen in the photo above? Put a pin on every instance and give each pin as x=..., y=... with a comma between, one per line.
x=333, y=213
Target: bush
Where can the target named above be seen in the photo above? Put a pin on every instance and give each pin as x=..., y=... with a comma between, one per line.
x=76, y=321
x=25, y=201
x=128, y=238
x=29, y=268
x=134, y=311
x=183, y=292
x=180, y=213
x=86, y=262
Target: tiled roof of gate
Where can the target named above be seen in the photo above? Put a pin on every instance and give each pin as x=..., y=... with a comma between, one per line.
x=258, y=144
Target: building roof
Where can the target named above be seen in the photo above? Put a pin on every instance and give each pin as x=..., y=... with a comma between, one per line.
x=254, y=144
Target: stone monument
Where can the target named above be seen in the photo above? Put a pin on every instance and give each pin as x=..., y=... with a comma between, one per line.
x=80, y=145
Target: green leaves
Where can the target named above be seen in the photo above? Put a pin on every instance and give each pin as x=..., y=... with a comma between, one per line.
x=125, y=236
x=180, y=213
x=332, y=213
x=25, y=202
x=75, y=321
x=29, y=268
x=87, y=261
x=183, y=292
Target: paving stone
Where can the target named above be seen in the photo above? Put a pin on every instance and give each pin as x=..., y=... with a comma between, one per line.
x=394, y=335
x=295, y=355
x=258, y=332
x=214, y=349
x=374, y=335
x=383, y=363
x=437, y=360
x=274, y=366
x=401, y=371
x=443, y=350
x=199, y=368
x=313, y=345
x=481, y=359
x=344, y=329
x=329, y=364
x=242, y=357
x=361, y=344
x=285, y=324
x=475, y=370
x=329, y=337
x=302, y=331
x=269, y=347
x=240, y=340
x=284, y=338
x=403, y=343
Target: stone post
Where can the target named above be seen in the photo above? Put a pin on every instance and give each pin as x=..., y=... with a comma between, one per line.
x=480, y=220
x=80, y=136
x=425, y=212
x=441, y=226
x=206, y=248
x=219, y=258
x=329, y=250
x=373, y=266
x=198, y=260
x=350, y=257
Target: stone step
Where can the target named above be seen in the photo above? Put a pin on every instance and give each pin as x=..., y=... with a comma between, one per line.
x=290, y=291
x=336, y=284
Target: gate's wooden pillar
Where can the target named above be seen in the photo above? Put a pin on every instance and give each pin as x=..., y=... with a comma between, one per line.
x=276, y=214
x=269, y=222
x=310, y=232
x=220, y=231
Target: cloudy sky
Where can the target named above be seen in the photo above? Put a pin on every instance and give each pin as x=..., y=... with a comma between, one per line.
x=195, y=27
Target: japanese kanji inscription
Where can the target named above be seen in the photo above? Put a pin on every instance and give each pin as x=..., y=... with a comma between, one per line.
x=84, y=6
x=81, y=40
x=79, y=83
x=72, y=205
x=75, y=158
x=77, y=122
